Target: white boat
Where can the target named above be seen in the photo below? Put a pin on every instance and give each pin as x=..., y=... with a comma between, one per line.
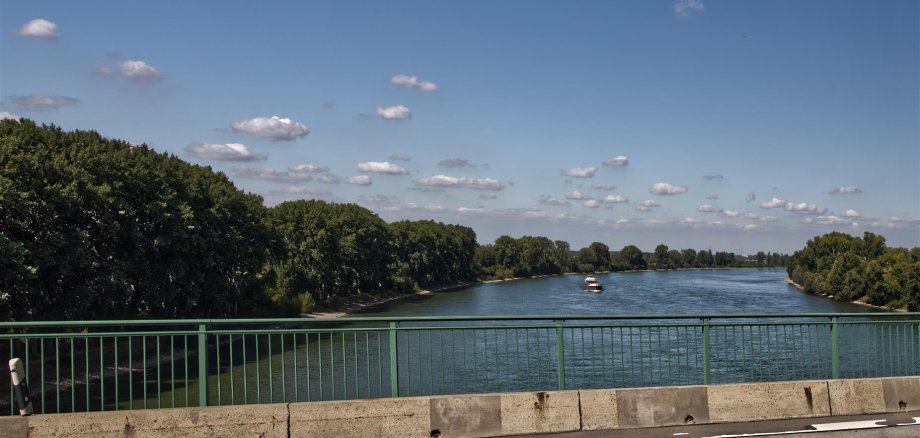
x=592, y=285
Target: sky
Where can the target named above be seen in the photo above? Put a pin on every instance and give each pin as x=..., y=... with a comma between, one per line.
x=729, y=125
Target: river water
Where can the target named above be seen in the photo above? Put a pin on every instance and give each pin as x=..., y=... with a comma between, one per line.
x=350, y=358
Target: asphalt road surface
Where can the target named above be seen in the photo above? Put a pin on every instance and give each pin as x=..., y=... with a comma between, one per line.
x=903, y=424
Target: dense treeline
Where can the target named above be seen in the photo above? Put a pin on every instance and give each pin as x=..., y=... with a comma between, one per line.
x=850, y=268
x=95, y=228
x=98, y=228
x=529, y=255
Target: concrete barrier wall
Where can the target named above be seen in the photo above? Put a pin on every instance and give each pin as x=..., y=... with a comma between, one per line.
x=492, y=414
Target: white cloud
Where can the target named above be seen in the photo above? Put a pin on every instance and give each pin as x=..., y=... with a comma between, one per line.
x=271, y=174
x=683, y=7
x=139, y=71
x=400, y=157
x=378, y=200
x=382, y=167
x=576, y=195
x=750, y=227
x=773, y=203
x=39, y=28
x=845, y=190
x=615, y=199
x=5, y=115
x=274, y=128
x=308, y=168
x=607, y=187
x=328, y=178
x=804, y=208
x=667, y=189
x=580, y=172
x=398, y=112
x=706, y=208
x=413, y=82
x=453, y=181
x=851, y=213
x=549, y=200
x=223, y=152
x=469, y=210
x=455, y=162
x=647, y=205
x=42, y=103
x=360, y=180
x=426, y=208
x=728, y=213
x=716, y=178
x=691, y=221
x=768, y=219
x=827, y=220
x=591, y=203
x=618, y=161
x=308, y=192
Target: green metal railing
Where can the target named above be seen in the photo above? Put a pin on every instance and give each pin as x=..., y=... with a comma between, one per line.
x=113, y=365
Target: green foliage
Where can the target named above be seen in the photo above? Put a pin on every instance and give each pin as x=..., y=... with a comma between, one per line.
x=526, y=256
x=849, y=267
x=97, y=228
x=431, y=253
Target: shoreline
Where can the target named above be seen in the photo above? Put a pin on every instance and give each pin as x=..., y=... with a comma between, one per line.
x=859, y=301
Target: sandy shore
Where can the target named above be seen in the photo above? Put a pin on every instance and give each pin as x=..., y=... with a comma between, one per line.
x=862, y=301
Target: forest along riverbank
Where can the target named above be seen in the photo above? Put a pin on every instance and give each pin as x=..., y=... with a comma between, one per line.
x=860, y=302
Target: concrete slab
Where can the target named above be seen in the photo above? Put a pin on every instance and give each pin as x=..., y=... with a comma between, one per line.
x=389, y=417
x=653, y=407
x=14, y=427
x=268, y=420
x=901, y=393
x=469, y=416
x=856, y=396
x=768, y=401
x=540, y=412
x=598, y=409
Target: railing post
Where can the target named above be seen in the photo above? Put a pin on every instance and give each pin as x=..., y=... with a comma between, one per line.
x=394, y=361
x=707, y=372
x=560, y=357
x=202, y=365
x=835, y=359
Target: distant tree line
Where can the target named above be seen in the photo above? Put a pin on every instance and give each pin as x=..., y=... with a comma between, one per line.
x=94, y=228
x=849, y=268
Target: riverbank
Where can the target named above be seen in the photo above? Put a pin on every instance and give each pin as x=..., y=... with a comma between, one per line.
x=347, y=306
x=862, y=301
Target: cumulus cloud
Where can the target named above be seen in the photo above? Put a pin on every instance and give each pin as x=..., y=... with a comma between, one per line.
x=42, y=103
x=271, y=174
x=591, y=203
x=455, y=162
x=308, y=168
x=804, y=208
x=139, y=71
x=618, y=161
x=328, y=178
x=768, y=218
x=667, y=189
x=360, y=180
x=580, y=172
x=606, y=187
x=716, y=178
x=223, y=152
x=549, y=200
x=648, y=203
x=274, y=128
x=750, y=227
x=398, y=112
x=39, y=28
x=413, y=82
x=307, y=192
x=615, y=199
x=773, y=203
x=576, y=195
x=683, y=7
x=728, y=213
x=426, y=208
x=378, y=200
x=382, y=167
x=5, y=115
x=400, y=157
x=845, y=190
x=851, y=213
x=453, y=181
x=706, y=208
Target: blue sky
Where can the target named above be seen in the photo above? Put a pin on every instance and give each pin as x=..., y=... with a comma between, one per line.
x=739, y=121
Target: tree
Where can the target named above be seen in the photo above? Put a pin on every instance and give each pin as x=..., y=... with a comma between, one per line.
x=633, y=257
x=661, y=256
